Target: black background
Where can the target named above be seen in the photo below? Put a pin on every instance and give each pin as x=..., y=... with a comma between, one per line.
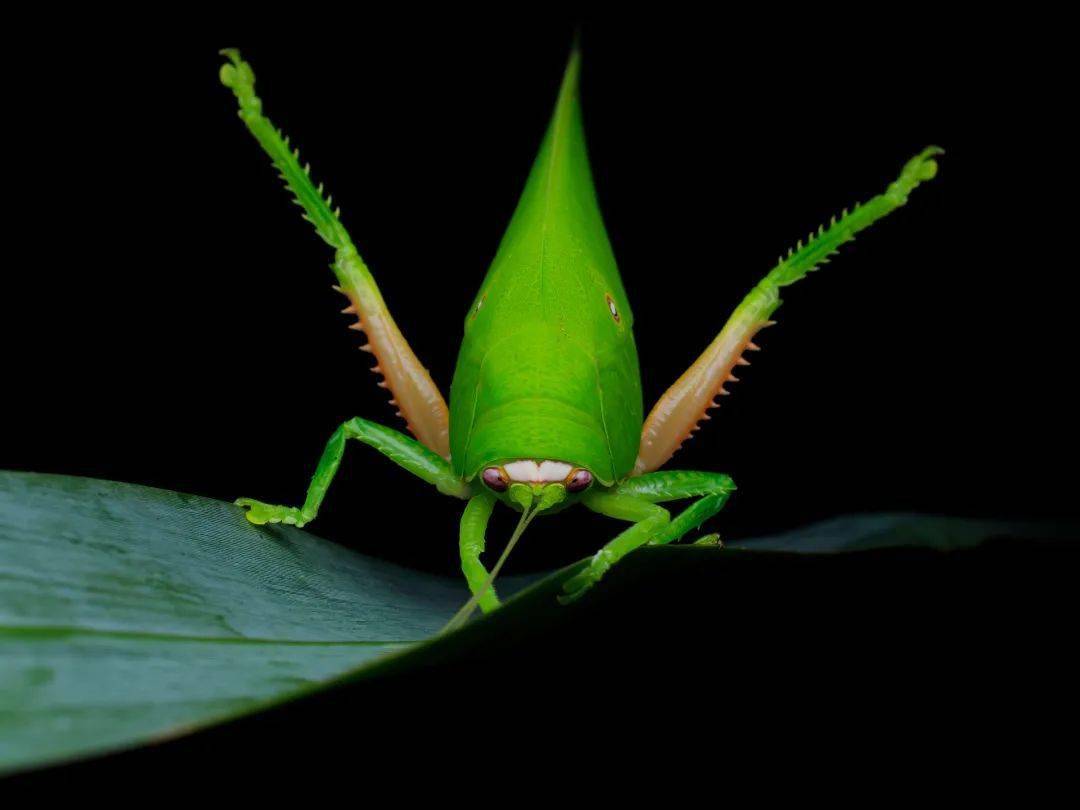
x=170, y=319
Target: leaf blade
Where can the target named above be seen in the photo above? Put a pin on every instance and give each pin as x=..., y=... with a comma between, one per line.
x=129, y=614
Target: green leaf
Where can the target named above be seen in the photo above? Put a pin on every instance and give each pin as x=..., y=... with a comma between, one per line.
x=130, y=614
x=877, y=530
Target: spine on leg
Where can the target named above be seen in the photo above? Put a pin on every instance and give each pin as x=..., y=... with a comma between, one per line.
x=414, y=393
x=677, y=414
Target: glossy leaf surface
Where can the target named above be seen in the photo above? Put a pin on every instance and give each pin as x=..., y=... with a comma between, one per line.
x=130, y=614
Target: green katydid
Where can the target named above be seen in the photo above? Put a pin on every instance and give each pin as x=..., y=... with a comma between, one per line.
x=546, y=402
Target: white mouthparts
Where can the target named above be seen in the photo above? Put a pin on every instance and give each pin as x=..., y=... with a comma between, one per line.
x=533, y=472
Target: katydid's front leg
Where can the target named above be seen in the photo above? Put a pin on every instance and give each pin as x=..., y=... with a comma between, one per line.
x=636, y=500
x=474, y=522
x=414, y=393
x=676, y=415
x=399, y=448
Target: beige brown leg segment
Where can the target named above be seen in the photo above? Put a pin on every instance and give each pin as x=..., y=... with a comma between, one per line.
x=683, y=405
x=415, y=394
x=676, y=415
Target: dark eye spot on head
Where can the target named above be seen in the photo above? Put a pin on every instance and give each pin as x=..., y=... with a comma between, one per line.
x=496, y=479
x=614, y=310
x=578, y=481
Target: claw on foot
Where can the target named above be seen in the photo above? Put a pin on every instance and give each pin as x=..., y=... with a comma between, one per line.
x=261, y=513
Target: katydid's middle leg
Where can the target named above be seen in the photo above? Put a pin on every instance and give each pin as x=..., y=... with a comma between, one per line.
x=637, y=500
x=711, y=489
x=399, y=448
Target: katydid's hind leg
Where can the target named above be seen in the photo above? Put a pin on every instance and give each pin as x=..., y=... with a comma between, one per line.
x=677, y=413
x=636, y=500
x=399, y=448
x=474, y=522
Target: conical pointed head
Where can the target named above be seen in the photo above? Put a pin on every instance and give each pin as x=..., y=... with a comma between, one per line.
x=548, y=367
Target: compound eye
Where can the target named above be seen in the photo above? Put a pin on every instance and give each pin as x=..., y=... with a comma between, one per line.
x=496, y=479
x=579, y=481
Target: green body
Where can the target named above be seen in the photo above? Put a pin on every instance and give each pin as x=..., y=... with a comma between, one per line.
x=548, y=370
x=545, y=370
